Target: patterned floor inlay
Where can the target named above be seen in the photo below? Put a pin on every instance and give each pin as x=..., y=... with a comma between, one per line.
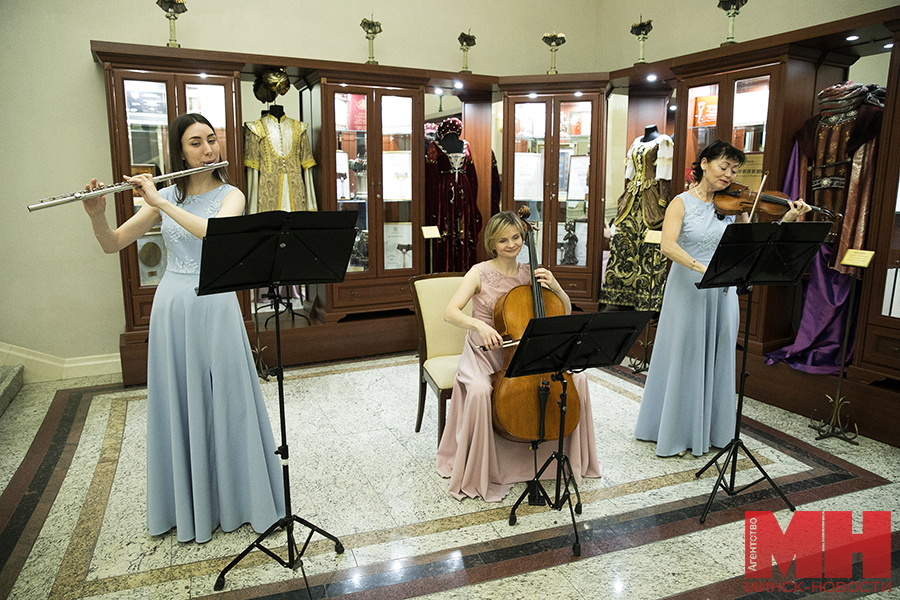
x=72, y=514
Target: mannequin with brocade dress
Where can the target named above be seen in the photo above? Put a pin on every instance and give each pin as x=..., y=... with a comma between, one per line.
x=636, y=271
x=451, y=191
x=833, y=164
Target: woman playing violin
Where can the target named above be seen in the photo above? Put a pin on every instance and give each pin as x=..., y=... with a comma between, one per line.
x=478, y=461
x=689, y=394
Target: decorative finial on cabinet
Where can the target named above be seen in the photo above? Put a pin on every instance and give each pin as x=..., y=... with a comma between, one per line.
x=173, y=8
x=641, y=30
x=372, y=28
x=466, y=41
x=732, y=8
x=554, y=40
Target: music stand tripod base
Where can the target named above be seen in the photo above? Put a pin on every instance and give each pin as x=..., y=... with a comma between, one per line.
x=272, y=249
x=557, y=345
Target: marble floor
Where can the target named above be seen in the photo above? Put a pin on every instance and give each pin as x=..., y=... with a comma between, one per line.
x=72, y=509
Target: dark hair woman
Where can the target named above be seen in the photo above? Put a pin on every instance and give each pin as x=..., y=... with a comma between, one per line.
x=689, y=395
x=210, y=450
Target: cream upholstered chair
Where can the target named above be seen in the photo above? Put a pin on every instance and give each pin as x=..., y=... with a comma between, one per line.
x=440, y=343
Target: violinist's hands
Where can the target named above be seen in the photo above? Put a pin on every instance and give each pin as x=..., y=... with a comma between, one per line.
x=547, y=279
x=146, y=189
x=94, y=206
x=489, y=336
x=797, y=208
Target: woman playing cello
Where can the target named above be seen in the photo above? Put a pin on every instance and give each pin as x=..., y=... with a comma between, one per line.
x=478, y=461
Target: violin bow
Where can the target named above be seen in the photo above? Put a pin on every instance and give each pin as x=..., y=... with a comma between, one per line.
x=758, y=195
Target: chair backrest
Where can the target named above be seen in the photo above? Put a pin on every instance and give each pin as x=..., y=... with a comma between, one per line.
x=431, y=294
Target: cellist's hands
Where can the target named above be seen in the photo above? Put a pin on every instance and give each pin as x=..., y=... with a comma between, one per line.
x=490, y=339
x=797, y=208
x=547, y=279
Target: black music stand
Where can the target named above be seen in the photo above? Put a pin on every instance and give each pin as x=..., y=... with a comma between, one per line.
x=273, y=249
x=570, y=343
x=756, y=254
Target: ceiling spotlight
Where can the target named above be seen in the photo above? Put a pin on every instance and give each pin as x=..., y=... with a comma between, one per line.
x=532, y=95
x=651, y=77
x=852, y=38
x=889, y=45
x=458, y=85
x=438, y=91
x=673, y=107
x=579, y=94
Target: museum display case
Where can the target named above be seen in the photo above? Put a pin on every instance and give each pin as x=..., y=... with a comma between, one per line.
x=553, y=162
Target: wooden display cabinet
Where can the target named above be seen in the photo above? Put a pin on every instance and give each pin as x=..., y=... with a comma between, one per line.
x=554, y=161
x=757, y=104
x=370, y=145
x=876, y=353
x=143, y=96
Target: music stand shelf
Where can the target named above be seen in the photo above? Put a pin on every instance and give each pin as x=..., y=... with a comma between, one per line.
x=272, y=249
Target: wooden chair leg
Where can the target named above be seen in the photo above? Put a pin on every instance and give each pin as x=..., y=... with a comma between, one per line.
x=422, y=390
x=442, y=412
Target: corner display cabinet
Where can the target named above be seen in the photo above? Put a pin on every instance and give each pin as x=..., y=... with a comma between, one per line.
x=370, y=145
x=756, y=103
x=553, y=159
x=142, y=99
x=876, y=354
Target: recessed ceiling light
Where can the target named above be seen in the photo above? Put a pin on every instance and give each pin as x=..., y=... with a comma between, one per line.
x=532, y=95
x=438, y=91
x=651, y=77
x=852, y=38
x=673, y=107
x=579, y=94
x=889, y=45
x=458, y=85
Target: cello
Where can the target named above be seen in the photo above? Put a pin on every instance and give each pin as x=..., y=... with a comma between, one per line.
x=519, y=406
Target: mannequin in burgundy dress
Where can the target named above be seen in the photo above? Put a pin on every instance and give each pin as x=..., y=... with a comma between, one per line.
x=451, y=191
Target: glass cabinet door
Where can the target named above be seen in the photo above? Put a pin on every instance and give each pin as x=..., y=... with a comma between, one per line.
x=572, y=223
x=528, y=164
x=147, y=122
x=351, y=126
x=890, y=306
x=748, y=126
x=702, y=118
x=397, y=180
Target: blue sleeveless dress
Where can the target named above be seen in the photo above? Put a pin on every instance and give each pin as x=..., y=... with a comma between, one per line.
x=689, y=395
x=210, y=447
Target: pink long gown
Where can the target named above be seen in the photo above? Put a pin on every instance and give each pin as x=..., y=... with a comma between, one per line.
x=477, y=460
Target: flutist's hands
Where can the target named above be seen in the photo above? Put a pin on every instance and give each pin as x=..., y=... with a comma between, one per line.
x=145, y=188
x=94, y=206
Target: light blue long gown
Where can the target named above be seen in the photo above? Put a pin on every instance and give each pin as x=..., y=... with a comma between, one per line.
x=210, y=447
x=689, y=395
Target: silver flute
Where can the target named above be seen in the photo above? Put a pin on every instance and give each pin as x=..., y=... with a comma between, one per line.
x=119, y=187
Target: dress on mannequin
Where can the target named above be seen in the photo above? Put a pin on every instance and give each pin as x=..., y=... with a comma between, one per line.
x=833, y=166
x=636, y=270
x=451, y=192
x=278, y=157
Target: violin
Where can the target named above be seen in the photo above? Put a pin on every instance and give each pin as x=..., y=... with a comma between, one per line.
x=771, y=206
x=519, y=406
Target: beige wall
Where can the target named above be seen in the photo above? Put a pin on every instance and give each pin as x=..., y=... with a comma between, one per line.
x=61, y=297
